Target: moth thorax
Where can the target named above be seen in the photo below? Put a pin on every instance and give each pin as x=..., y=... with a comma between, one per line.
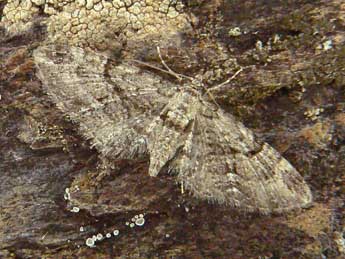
x=177, y=119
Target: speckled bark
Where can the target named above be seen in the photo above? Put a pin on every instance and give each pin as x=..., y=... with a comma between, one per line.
x=290, y=92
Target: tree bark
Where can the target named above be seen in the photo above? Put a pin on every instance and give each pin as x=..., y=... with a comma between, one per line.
x=290, y=92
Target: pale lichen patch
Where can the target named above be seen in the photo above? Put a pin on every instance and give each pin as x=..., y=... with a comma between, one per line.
x=75, y=210
x=90, y=242
x=313, y=113
x=96, y=23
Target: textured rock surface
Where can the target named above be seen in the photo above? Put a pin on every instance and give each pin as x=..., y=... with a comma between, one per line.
x=295, y=70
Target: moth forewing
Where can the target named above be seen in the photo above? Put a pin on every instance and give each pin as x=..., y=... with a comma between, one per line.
x=222, y=161
x=215, y=156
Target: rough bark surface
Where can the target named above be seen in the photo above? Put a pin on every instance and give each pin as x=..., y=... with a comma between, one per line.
x=290, y=93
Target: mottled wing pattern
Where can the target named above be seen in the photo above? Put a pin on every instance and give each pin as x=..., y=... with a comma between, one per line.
x=217, y=158
x=112, y=109
x=168, y=132
x=127, y=113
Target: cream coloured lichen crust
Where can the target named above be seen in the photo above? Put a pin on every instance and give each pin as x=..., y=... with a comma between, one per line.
x=17, y=15
x=96, y=23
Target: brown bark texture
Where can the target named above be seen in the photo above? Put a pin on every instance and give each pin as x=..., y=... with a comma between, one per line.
x=59, y=186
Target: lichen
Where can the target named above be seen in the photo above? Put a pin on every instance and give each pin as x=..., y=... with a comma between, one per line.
x=97, y=23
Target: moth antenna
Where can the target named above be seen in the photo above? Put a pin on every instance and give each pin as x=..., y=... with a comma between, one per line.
x=166, y=66
x=167, y=70
x=226, y=81
x=208, y=90
x=155, y=67
x=179, y=76
x=193, y=80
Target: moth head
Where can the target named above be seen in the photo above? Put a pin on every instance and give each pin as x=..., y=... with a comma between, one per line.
x=179, y=113
x=176, y=119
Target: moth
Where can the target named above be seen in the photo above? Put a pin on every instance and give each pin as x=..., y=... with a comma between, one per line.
x=127, y=113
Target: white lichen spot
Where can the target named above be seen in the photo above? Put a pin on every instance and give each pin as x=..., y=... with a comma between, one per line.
x=235, y=32
x=81, y=229
x=259, y=45
x=108, y=235
x=99, y=236
x=327, y=45
x=313, y=113
x=75, y=209
x=131, y=225
x=116, y=232
x=90, y=242
x=276, y=38
x=67, y=195
x=140, y=222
